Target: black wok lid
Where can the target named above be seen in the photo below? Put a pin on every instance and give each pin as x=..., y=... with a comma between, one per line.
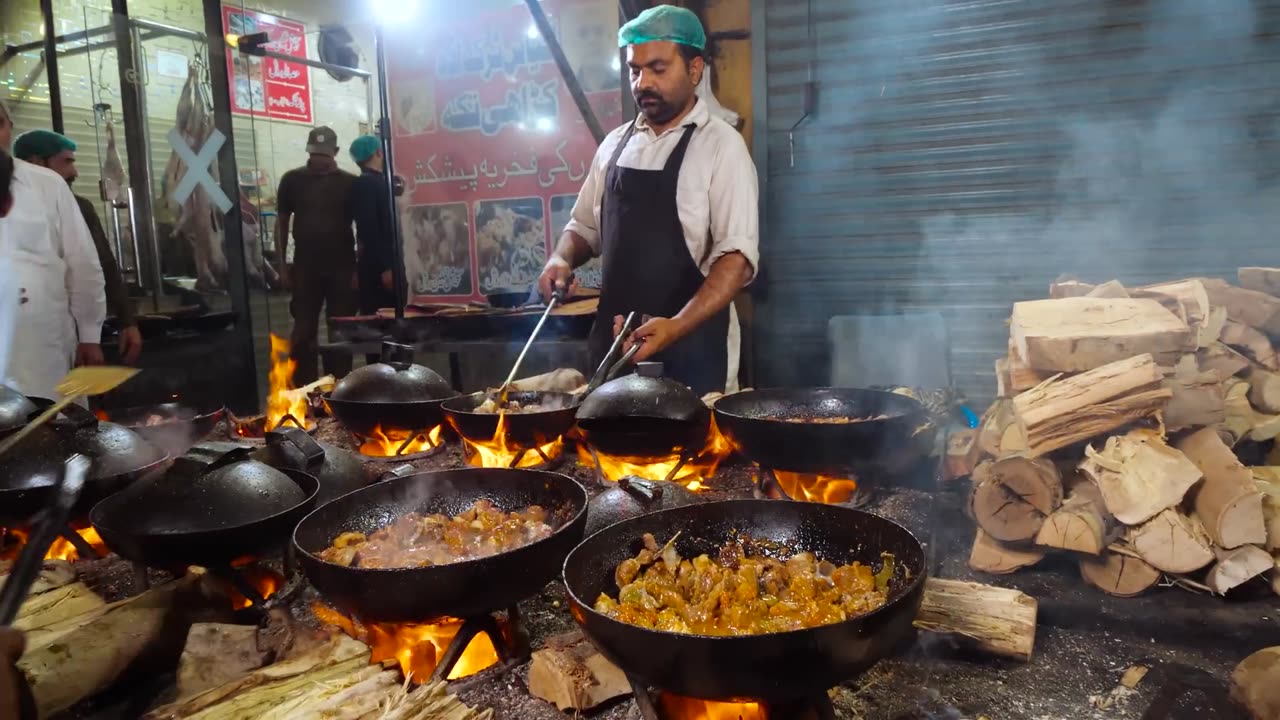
x=646, y=394
x=395, y=379
x=15, y=408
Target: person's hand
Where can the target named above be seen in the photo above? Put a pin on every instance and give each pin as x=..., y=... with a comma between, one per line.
x=285, y=272
x=12, y=643
x=656, y=334
x=388, y=280
x=89, y=354
x=130, y=345
x=556, y=275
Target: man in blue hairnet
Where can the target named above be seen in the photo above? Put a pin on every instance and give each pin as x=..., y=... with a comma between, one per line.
x=669, y=205
x=371, y=208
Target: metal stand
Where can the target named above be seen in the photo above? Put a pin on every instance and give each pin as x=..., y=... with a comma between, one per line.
x=605, y=482
x=470, y=451
x=400, y=455
x=768, y=488
x=508, y=639
x=82, y=546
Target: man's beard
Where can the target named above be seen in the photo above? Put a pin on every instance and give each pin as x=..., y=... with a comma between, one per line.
x=660, y=111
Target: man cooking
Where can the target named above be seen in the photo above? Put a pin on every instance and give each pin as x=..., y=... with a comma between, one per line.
x=57, y=152
x=62, y=304
x=670, y=206
x=314, y=202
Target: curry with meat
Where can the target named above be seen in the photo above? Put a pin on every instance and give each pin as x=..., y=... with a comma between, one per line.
x=417, y=540
x=739, y=593
x=491, y=406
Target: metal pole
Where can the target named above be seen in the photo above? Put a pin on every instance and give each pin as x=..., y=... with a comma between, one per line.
x=566, y=70
x=246, y=395
x=51, y=65
x=11, y=50
x=388, y=174
x=134, y=107
x=149, y=218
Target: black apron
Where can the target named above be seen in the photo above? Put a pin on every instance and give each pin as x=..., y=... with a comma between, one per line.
x=648, y=269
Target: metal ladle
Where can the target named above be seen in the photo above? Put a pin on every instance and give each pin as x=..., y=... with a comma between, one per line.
x=557, y=296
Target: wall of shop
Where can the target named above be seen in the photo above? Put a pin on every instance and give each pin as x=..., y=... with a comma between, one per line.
x=963, y=155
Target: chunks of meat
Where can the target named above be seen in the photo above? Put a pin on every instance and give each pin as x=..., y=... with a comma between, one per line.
x=416, y=540
x=738, y=593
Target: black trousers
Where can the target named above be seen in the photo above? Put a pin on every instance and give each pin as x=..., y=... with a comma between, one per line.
x=312, y=291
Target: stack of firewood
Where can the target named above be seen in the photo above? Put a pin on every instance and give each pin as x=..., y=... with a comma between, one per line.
x=1112, y=438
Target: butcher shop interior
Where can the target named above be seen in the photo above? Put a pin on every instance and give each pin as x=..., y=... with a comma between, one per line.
x=712, y=360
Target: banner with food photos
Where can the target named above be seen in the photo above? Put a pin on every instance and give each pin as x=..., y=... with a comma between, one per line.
x=269, y=87
x=490, y=144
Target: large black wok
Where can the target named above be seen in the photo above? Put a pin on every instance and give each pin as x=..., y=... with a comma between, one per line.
x=756, y=422
x=230, y=510
x=394, y=394
x=462, y=589
x=643, y=415
x=776, y=666
x=523, y=429
x=173, y=426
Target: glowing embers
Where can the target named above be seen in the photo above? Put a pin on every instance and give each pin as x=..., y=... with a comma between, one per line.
x=807, y=487
x=86, y=543
x=446, y=649
x=677, y=707
x=689, y=469
x=394, y=444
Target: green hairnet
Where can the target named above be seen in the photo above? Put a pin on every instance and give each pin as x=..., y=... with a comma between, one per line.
x=43, y=144
x=364, y=147
x=664, y=23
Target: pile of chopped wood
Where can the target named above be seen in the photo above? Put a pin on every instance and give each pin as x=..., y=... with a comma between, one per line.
x=1113, y=436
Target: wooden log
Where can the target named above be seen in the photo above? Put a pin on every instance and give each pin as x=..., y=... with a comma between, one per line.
x=1255, y=683
x=572, y=675
x=1264, y=389
x=992, y=425
x=56, y=606
x=1077, y=334
x=53, y=574
x=1012, y=496
x=1189, y=300
x=1260, y=279
x=1268, y=481
x=1197, y=397
x=1172, y=542
x=992, y=556
x=961, y=458
x=217, y=653
x=1247, y=307
x=1119, y=574
x=1108, y=289
x=1139, y=475
x=1068, y=410
x=1021, y=376
x=1069, y=288
x=1237, y=567
x=1251, y=343
x=1239, y=414
x=1082, y=524
x=1004, y=382
x=1221, y=358
x=562, y=380
x=1227, y=502
x=996, y=620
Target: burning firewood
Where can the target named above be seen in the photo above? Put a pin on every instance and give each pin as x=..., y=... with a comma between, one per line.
x=1011, y=497
x=1077, y=334
x=995, y=620
x=572, y=675
x=1228, y=502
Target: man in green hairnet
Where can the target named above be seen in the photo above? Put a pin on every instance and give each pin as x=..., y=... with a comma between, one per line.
x=58, y=153
x=371, y=208
x=669, y=205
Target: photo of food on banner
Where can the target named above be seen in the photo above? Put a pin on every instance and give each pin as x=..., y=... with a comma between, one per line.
x=437, y=249
x=248, y=69
x=511, y=243
x=588, y=276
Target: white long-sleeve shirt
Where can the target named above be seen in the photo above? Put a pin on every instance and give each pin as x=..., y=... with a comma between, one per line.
x=46, y=222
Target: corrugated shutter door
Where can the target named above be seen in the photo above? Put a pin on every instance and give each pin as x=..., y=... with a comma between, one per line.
x=965, y=153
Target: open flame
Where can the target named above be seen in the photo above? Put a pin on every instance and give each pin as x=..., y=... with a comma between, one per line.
x=13, y=539
x=501, y=452
x=816, y=488
x=283, y=400
x=678, y=707
x=692, y=474
x=417, y=647
x=390, y=443
x=264, y=580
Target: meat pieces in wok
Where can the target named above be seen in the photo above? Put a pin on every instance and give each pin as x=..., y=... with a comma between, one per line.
x=491, y=406
x=739, y=593
x=417, y=540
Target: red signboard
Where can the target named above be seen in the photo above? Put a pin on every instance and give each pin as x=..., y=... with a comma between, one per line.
x=268, y=87
x=490, y=144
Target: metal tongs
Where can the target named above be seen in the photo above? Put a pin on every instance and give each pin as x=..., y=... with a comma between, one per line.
x=558, y=296
x=66, y=491
x=606, y=371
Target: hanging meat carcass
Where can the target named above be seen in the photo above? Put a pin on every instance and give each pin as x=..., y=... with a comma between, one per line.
x=198, y=220
x=261, y=274
x=114, y=182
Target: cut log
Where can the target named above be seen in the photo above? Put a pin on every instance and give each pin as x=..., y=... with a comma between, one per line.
x=217, y=653
x=1255, y=683
x=1004, y=383
x=1264, y=389
x=1012, y=498
x=1077, y=334
x=1237, y=567
x=1268, y=481
x=1067, y=410
x=1228, y=501
x=1108, y=289
x=992, y=426
x=562, y=380
x=1067, y=288
x=572, y=675
x=1197, y=397
x=1172, y=542
x=57, y=606
x=1260, y=279
x=1251, y=343
x=1021, y=376
x=1139, y=475
x=996, y=620
x=1223, y=359
x=1247, y=307
x=961, y=457
x=1189, y=300
x=1119, y=574
x=1082, y=524
x=1239, y=414
x=992, y=556
x=53, y=575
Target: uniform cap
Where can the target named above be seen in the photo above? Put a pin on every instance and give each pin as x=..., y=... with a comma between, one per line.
x=322, y=141
x=364, y=148
x=664, y=23
x=43, y=144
